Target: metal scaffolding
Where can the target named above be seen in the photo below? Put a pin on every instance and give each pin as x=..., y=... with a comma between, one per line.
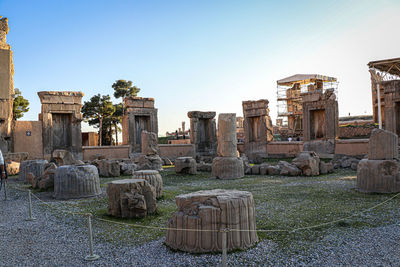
x=289, y=100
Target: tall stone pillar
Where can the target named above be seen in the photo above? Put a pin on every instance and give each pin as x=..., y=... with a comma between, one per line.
x=227, y=165
x=6, y=88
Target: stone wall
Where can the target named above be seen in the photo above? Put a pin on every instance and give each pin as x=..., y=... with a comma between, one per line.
x=257, y=127
x=355, y=132
x=284, y=149
x=108, y=152
x=352, y=147
x=141, y=116
x=28, y=138
x=174, y=151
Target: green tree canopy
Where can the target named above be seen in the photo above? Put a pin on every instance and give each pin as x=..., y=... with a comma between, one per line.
x=123, y=88
x=20, y=105
x=96, y=111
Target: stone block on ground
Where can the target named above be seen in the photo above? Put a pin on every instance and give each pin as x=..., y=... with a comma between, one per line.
x=150, y=143
x=185, y=165
x=127, y=168
x=64, y=157
x=17, y=156
x=213, y=210
x=383, y=145
x=264, y=169
x=36, y=167
x=288, y=169
x=255, y=169
x=131, y=198
x=325, y=167
x=227, y=168
x=76, y=181
x=379, y=176
x=307, y=162
x=273, y=170
x=109, y=168
x=204, y=167
x=150, y=162
x=153, y=177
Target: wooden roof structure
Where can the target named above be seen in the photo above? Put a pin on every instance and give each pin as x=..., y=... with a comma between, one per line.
x=304, y=79
x=391, y=66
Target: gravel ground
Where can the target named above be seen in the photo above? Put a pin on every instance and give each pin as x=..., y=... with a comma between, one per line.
x=57, y=240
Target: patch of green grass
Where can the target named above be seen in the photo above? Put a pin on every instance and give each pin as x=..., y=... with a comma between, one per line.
x=281, y=202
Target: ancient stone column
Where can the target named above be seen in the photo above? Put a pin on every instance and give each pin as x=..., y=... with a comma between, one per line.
x=153, y=177
x=227, y=165
x=212, y=211
x=131, y=198
x=76, y=181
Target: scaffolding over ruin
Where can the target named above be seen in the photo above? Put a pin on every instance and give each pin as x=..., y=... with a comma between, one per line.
x=289, y=100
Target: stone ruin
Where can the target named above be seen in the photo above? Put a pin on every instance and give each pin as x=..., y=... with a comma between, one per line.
x=212, y=210
x=153, y=177
x=227, y=165
x=203, y=134
x=6, y=88
x=61, y=122
x=76, y=181
x=391, y=91
x=185, y=165
x=141, y=116
x=380, y=172
x=320, y=121
x=150, y=159
x=257, y=128
x=131, y=198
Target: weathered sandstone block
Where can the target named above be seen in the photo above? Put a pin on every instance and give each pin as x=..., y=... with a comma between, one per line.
x=307, y=162
x=13, y=168
x=383, y=145
x=227, y=168
x=109, y=168
x=131, y=198
x=227, y=141
x=150, y=162
x=185, y=165
x=150, y=143
x=381, y=176
x=213, y=210
x=153, y=177
x=36, y=167
x=76, y=181
x=64, y=157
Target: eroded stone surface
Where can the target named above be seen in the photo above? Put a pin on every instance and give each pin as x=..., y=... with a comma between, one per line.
x=213, y=210
x=227, y=141
x=36, y=167
x=227, y=168
x=153, y=177
x=13, y=168
x=381, y=176
x=185, y=165
x=383, y=145
x=131, y=198
x=307, y=162
x=64, y=157
x=150, y=143
x=76, y=181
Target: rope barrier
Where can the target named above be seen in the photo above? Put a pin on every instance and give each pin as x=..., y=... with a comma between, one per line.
x=212, y=230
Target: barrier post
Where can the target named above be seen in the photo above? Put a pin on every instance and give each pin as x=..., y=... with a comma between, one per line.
x=5, y=189
x=30, y=218
x=224, y=248
x=91, y=256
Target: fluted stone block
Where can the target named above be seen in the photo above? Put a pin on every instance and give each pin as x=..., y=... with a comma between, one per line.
x=383, y=145
x=131, y=198
x=152, y=177
x=76, y=181
x=36, y=167
x=380, y=176
x=185, y=165
x=213, y=210
x=227, y=167
x=227, y=141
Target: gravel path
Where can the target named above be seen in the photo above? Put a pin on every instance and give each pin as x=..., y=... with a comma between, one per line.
x=62, y=241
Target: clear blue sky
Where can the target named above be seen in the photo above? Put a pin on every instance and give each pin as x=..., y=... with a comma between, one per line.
x=198, y=55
